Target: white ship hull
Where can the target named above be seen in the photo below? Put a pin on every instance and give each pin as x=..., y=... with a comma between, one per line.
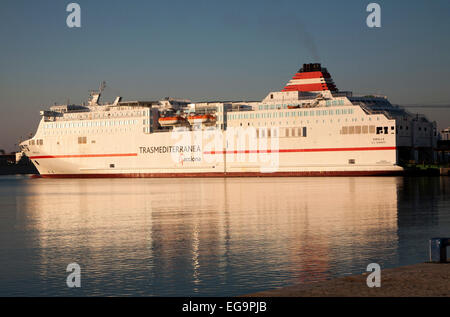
x=200, y=154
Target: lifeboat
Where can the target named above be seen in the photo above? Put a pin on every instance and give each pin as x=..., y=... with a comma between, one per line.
x=293, y=107
x=202, y=119
x=171, y=120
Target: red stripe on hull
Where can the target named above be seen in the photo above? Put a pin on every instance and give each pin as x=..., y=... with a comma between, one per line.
x=306, y=150
x=231, y=174
x=227, y=152
x=81, y=155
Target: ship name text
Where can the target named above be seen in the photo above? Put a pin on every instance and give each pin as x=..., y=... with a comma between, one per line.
x=169, y=149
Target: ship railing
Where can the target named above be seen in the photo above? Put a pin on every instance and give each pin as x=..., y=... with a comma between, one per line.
x=61, y=118
x=370, y=111
x=342, y=94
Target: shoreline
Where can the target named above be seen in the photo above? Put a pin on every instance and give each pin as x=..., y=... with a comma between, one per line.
x=417, y=280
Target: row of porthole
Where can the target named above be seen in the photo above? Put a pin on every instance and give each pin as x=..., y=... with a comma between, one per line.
x=287, y=114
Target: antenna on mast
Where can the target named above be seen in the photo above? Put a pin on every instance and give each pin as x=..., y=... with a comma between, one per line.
x=95, y=95
x=102, y=86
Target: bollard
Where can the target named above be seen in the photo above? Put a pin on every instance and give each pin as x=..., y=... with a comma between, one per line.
x=438, y=249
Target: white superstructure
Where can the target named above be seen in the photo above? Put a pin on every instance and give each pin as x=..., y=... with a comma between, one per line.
x=308, y=128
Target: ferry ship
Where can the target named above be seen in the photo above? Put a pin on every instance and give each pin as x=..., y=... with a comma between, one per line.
x=309, y=128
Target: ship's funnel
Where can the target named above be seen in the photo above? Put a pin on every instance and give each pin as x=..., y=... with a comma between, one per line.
x=311, y=77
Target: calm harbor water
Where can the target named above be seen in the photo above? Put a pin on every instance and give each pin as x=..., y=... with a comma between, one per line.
x=210, y=237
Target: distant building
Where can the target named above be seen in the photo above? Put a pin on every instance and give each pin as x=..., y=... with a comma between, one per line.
x=6, y=159
x=445, y=134
x=443, y=146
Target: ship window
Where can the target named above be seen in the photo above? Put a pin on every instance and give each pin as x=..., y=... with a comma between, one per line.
x=293, y=132
x=371, y=129
x=304, y=131
x=379, y=130
x=351, y=130
x=365, y=129
x=344, y=130
x=386, y=130
x=112, y=165
x=299, y=131
x=286, y=132
x=358, y=129
x=82, y=140
x=351, y=161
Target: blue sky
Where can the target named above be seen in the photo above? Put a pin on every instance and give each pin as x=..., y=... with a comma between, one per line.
x=200, y=50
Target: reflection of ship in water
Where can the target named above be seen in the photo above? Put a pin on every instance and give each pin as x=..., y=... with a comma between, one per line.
x=420, y=205
x=212, y=236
